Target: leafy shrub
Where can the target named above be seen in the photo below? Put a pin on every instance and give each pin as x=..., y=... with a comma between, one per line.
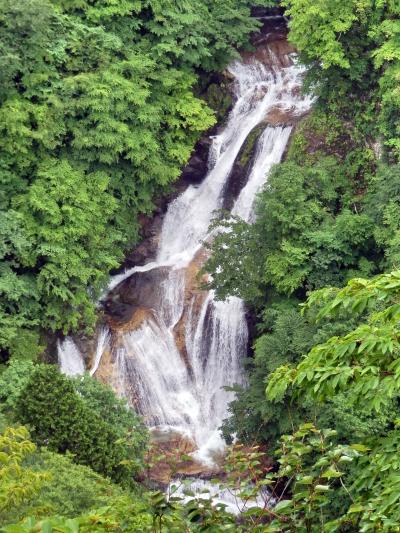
x=61, y=420
x=68, y=490
x=102, y=400
x=13, y=380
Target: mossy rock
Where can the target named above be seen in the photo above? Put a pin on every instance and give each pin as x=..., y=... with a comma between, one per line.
x=238, y=177
x=247, y=149
x=219, y=99
x=319, y=133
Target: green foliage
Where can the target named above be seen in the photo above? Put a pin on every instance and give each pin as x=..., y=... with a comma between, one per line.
x=102, y=400
x=351, y=48
x=84, y=419
x=13, y=380
x=85, y=401
x=348, y=486
x=286, y=335
x=314, y=474
x=377, y=483
x=382, y=202
x=61, y=212
x=62, y=420
x=363, y=362
x=68, y=490
x=28, y=346
x=314, y=228
x=121, y=514
x=308, y=234
x=363, y=365
x=313, y=469
x=314, y=466
x=355, y=421
x=236, y=239
x=17, y=485
x=313, y=235
x=331, y=19
x=387, y=57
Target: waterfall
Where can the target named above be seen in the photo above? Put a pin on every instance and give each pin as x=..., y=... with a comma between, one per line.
x=179, y=386
x=70, y=358
x=269, y=151
x=216, y=353
x=174, y=362
x=103, y=340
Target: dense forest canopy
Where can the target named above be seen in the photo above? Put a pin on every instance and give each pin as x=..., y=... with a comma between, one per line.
x=100, y=109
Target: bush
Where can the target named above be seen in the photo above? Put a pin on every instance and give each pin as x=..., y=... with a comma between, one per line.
x=101, y=399
x=61, y=420
x=69, y=489
x=13, y=380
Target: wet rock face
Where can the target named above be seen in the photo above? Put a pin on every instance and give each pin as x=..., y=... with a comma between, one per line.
x=174, y=448
x=277, y=53
x=197, y=167
x=134, y=299
x=274, y=25
x=135, y=293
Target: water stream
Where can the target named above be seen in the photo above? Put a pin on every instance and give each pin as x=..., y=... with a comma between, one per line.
x=204, y=490
x=179, y=385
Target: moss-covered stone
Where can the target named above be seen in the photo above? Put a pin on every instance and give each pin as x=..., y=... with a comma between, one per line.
x=219, y=99
x=247, y=149
x=319, y=133
x=241, y=167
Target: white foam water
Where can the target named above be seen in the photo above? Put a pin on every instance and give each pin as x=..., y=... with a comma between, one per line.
x=70, y=359
x=103, y=341
x=230, y=498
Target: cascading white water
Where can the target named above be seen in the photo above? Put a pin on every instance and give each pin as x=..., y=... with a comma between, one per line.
x=258, y=90
x=269, y=151
x=103, y=340
x=70, y=358
x=217, y=351
x=185, y=393
x=178, y=385
x=204, y=490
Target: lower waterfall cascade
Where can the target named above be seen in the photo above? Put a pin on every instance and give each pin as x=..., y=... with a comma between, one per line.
x=173, y=361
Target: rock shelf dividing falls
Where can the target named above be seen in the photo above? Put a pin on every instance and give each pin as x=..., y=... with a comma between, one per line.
x=180, y=347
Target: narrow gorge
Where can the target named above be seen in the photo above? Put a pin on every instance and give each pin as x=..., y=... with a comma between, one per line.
x=176, y=347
